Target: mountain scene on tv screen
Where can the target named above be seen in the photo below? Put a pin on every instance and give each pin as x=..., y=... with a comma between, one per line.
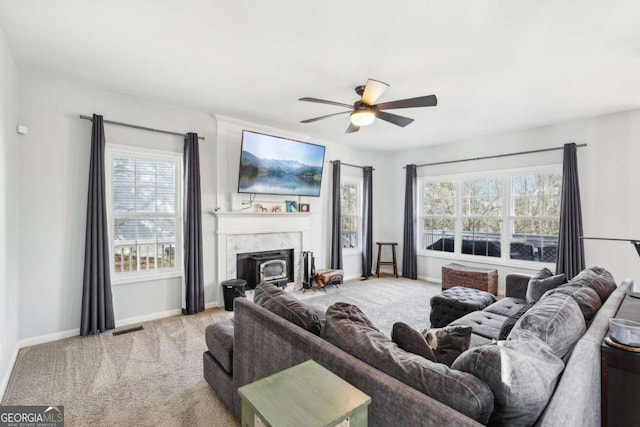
x=273, y=176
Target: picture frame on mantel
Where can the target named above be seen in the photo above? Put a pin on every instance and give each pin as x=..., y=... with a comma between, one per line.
x=304, y=208
x=292, y=205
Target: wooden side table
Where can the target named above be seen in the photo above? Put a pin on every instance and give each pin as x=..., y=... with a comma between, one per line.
x=305, y=395
x=620, y=376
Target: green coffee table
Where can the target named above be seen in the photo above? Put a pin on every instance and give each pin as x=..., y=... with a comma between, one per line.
x=305, y=395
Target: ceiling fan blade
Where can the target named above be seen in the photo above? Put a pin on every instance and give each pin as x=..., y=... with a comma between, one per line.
x=323, y=101
x=315, y=119
x=352, y=128
x=421, y=101
x=372, y=91
x=394, y=118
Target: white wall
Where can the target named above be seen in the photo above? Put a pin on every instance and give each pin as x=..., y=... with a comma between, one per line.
x=54, y=169
x=54, y=161
x=8, y=214
x=609, y=185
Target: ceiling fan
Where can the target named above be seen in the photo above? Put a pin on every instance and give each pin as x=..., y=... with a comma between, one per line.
x=364, y=111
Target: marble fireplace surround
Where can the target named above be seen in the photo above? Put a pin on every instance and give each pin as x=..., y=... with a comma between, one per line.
x=240, y=232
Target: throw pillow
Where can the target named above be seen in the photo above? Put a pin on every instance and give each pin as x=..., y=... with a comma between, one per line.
x=587, y=299
x=350, y=330
x=521, y=374
x=449, y=342
x=542, y=282
x=411, y=340
x=598, y=279
x=556, y=320
x=511, y=321
x=288, y=307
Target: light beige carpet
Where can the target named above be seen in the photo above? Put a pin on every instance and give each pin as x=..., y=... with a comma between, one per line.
x=145, y=378
x=154, y=377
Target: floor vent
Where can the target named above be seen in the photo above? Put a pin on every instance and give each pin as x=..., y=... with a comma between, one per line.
x=126, y=331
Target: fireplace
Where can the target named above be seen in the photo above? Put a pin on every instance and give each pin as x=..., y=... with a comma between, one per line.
x=266, y=266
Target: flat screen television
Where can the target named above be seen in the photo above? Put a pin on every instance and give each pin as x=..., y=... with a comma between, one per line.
x=274, y=165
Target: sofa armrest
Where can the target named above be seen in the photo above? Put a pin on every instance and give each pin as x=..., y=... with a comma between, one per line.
x=516, y=285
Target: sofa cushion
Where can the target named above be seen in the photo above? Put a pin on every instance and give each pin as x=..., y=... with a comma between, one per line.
x=483, y=323
x=541, y=282
x=521, y=374
x=511, y=321
x=449, y=342
x=556, y=320
x=598, y=279
x=288, y=307
x=507, y=306
x=587, y=299
x=219, y=338
x=349, y=329
x=411, y=340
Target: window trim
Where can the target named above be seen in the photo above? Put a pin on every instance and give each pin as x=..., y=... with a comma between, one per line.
x=359, y=183
x=505, y=176
x=112, y=150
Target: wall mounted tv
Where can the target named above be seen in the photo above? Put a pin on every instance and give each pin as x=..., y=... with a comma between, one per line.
x=273, y=165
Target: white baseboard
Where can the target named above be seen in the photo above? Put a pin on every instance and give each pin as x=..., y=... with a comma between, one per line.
x=352, y=276
x=430, y=279
x=7, y=375
x=213, y=304
x=40, y=339
x=148, y=317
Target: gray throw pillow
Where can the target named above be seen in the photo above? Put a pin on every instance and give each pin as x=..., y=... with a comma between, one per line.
x=449, y=342
x=542, y=282
x=598, y=279
x=521, y=374
x=587, y=299
x=350, y=330
x=556, y=320
x=288, y=307
x=411, y=340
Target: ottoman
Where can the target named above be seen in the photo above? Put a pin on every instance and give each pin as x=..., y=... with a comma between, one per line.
x=453, y=303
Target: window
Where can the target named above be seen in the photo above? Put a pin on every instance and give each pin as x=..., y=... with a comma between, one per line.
x=481, y=215
x=535, y=216
x=439, y=215
x=350, y=193
x=145, y=212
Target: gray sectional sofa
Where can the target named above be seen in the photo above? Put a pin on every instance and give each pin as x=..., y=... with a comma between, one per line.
x=261, y=343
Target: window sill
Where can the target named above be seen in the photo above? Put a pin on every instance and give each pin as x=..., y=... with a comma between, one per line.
x=135, y=278
x=525, y=265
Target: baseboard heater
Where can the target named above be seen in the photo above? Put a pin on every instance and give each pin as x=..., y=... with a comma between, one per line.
x=126, y=331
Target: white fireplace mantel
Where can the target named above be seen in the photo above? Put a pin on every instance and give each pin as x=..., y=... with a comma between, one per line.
x=240, y=232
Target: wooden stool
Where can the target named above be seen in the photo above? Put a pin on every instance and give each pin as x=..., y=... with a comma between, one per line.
x=393, y=252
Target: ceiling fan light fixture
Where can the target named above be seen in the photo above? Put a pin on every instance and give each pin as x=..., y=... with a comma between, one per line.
x=362, y=117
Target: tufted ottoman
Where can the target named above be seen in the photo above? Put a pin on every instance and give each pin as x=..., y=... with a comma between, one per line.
x=453, y=303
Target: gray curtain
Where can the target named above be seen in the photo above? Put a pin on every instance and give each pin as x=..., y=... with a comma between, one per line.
x=409, y=253
x=570, y=259
x=336, y=217
x=193, y=280
x=367, y=221
x=97, y=304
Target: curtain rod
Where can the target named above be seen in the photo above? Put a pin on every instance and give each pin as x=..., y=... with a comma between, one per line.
x=606, y=238
x=110, y=122
x=495, y=157
x=349, y=164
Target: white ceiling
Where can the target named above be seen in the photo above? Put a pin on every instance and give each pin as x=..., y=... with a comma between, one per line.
x=494, y=65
